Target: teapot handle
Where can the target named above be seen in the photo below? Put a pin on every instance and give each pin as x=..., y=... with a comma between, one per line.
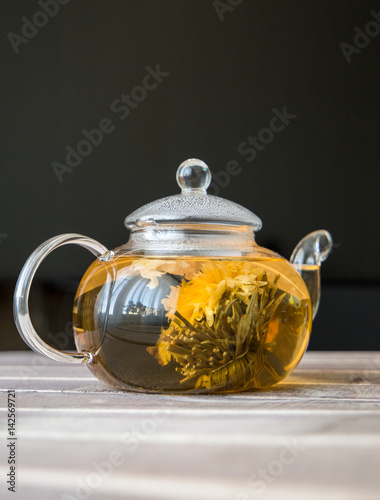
x=21, y=296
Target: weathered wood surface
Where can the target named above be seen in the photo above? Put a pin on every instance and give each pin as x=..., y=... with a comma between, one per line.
x=315, y=436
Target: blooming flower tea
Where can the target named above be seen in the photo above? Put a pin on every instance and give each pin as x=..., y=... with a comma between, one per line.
x=192, y=324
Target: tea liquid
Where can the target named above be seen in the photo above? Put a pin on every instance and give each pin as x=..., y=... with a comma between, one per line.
x=192, y=324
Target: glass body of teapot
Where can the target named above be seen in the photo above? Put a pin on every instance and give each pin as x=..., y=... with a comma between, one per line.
x=191, y=304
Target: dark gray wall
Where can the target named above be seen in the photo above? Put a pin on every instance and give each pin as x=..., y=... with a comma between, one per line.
x=225, y=78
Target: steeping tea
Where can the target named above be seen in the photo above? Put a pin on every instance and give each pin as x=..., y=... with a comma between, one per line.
x=191, y=324
x=190, y=303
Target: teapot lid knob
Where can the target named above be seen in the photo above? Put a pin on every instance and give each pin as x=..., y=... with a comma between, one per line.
x=193, y=176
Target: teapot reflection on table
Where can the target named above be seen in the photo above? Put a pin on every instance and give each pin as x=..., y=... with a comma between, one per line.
x=190, y=304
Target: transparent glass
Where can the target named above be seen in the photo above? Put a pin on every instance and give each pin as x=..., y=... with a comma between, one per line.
x=307, y=258
x=192, y=324
x=21, y=295
x=190, y=304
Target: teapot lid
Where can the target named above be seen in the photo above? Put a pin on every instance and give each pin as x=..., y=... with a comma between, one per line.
x=193, y=205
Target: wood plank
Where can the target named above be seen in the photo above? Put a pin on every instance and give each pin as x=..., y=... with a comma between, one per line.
x=317, y=435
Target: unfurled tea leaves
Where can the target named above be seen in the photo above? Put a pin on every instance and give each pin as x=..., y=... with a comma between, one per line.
x=220, y=345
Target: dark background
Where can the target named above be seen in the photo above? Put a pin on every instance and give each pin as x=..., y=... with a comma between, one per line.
x=225, y=77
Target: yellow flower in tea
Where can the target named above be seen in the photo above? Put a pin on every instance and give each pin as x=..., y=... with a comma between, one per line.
x=219, y=324
x=148, y=270
x=201, y=296
x=152, y=269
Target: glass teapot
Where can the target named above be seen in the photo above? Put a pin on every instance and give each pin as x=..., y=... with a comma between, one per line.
x=190, y=304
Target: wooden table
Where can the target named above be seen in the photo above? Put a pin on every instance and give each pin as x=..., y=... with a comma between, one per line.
x=315, y=436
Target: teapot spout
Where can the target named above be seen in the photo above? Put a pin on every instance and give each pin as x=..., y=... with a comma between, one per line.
x=307, y=258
